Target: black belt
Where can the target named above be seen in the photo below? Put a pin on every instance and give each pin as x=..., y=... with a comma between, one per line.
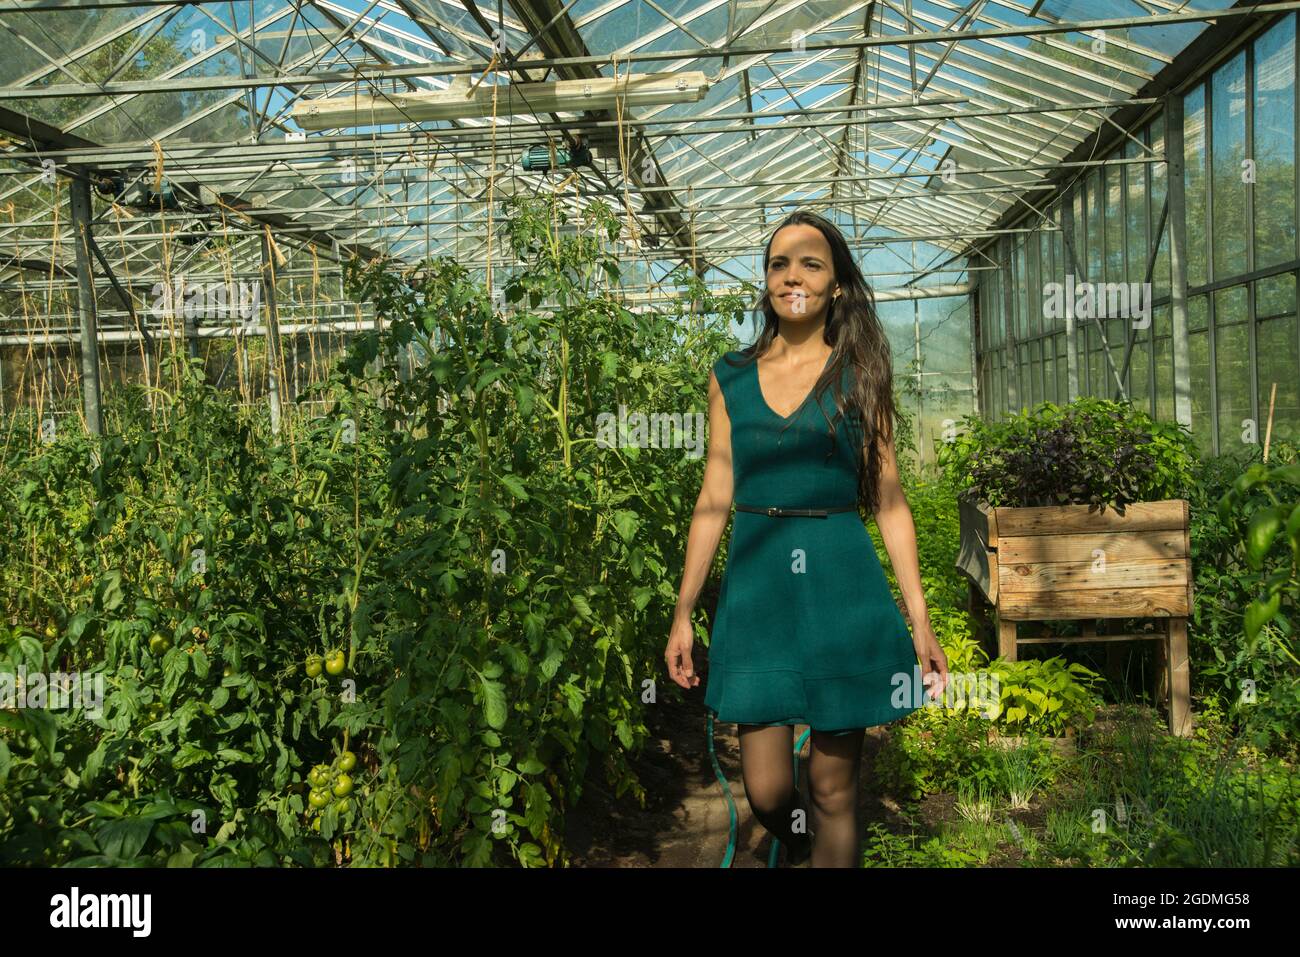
x=778, y=512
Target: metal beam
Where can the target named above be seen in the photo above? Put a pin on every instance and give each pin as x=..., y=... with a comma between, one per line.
x=1071, y=328
x=1178, y=259
x=79, y=201
x=273, y=330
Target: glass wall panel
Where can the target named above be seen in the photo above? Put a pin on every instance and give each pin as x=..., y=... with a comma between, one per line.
x=1139, y=372
x=1199, y=362
x=1049, y=369
x=1157, y=172
x=1274, y=144
x=1062, y=371
x=1275, y=296
x=1279, y=361
x=1096, y=384
x=1194, y=174
x=1135, y=226
x=1277, y=349
x=1035, y=374
x=1198, y=313
x=1034, y=301
x=1164, y=373
x=1046, y=274
x=1094, y=226
x=1231, y=366
x=1058, y=262
x=1018, y=289
x=1114, y=219
x=1228, y=146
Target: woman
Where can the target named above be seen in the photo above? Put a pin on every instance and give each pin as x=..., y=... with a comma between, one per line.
x=806, y=629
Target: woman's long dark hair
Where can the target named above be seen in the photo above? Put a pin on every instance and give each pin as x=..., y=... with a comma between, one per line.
x=857, y=339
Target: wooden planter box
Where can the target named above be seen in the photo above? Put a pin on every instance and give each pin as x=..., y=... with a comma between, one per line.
x=1063, y=563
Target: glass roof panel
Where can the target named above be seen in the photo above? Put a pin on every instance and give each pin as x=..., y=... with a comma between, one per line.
x=194, y=75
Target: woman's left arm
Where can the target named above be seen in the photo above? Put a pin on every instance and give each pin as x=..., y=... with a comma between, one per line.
x=898, y=529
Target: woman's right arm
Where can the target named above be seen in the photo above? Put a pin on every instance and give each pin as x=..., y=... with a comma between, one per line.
x=712, y=509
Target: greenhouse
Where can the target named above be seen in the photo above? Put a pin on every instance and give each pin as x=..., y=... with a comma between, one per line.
x=391, y=470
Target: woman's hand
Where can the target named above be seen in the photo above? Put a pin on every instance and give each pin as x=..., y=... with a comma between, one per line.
x=934, y=663
x=678, y=656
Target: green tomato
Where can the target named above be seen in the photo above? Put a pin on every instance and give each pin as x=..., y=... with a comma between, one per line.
x=227, y=671
x=335, y=662
x=342, y=805
x=347, y=761
x=342, y=786
x=159, y=644
x=319, y=776
x=318, y=798
x=52, y=630
x=313, y=666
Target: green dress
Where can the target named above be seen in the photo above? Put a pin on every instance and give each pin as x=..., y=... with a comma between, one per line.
x=806, y=629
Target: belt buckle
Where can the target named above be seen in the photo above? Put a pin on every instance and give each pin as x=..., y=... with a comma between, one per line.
x=772, y=510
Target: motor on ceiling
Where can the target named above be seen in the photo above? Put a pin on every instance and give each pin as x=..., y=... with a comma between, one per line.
x=136, y=191
x=538, y=159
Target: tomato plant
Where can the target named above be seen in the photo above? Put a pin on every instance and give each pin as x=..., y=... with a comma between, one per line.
x=493, y=579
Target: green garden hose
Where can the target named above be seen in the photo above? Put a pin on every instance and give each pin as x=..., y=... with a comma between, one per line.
x=731, y=805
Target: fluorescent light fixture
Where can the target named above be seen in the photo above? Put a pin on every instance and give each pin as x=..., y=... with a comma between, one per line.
x=554, y=96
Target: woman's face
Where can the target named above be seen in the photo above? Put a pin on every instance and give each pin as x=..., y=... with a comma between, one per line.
x=800, y=277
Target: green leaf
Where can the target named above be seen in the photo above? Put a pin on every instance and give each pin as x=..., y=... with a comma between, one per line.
x=626, y=523
x=551, y=663
x=530, y=765
x=199, y=662
x=487, y=378
x=1259, y=612
x=514, y=486
x=1260, y=534
x=1287, y=473
x=494, y=703
x=41, y=723
x=641, y=596
x=525, y=397
x=33, y=655
x=189, y=754
x=94, y=761
x=110, y=590
x=175, y=663
x=580, y=603
x=123, y=838
x=184, y=857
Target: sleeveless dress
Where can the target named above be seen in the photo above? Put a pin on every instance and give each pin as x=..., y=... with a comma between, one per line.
x=806, y=629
